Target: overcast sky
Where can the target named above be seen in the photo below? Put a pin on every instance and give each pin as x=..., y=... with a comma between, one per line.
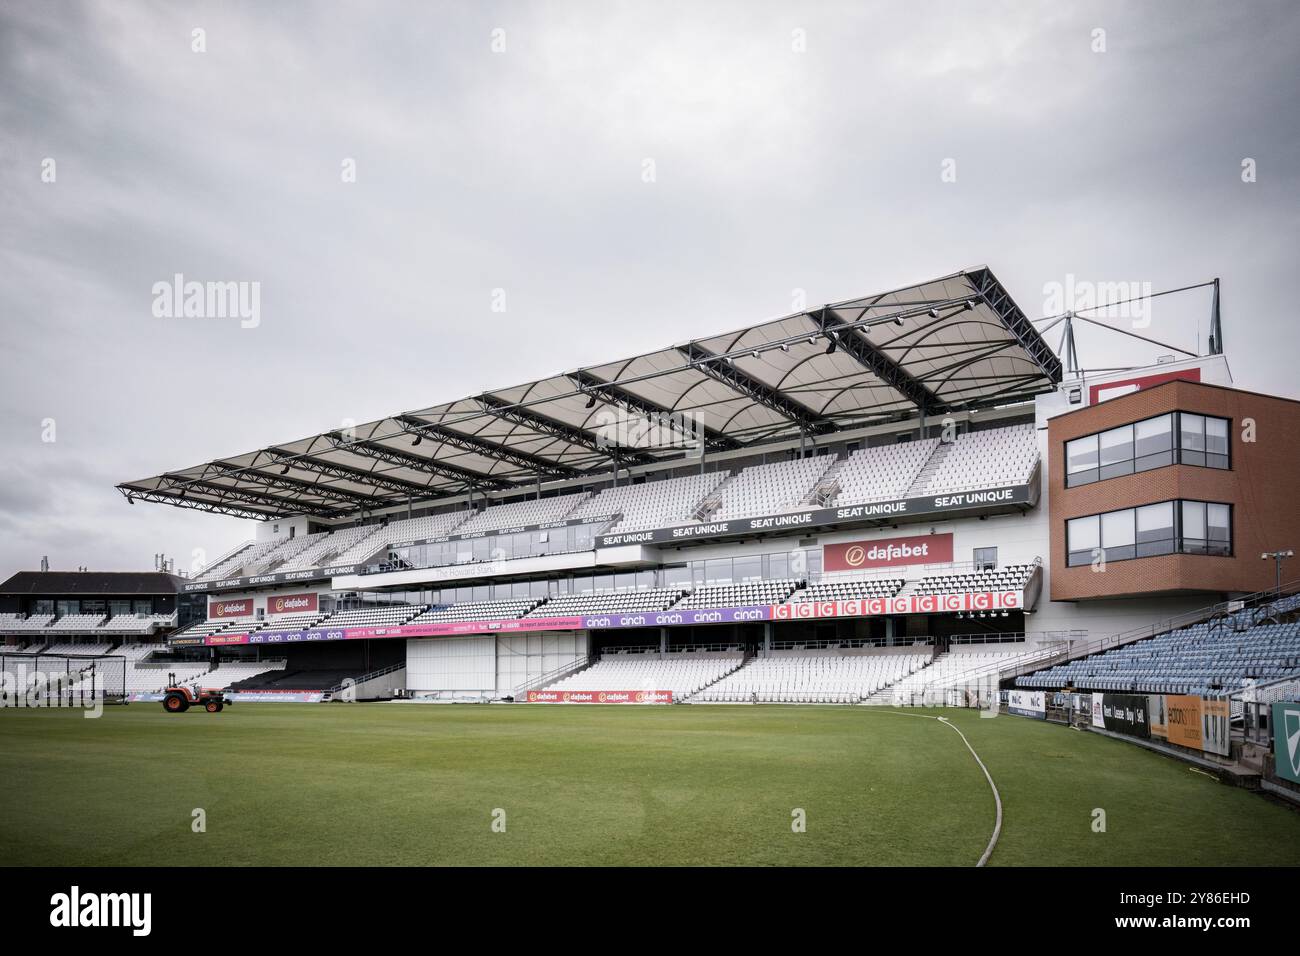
x=792, y=146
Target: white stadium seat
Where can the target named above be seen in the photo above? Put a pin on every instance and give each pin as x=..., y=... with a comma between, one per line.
x=683, y=673
x=835, y=676
x=653, y=504
x=771, y=489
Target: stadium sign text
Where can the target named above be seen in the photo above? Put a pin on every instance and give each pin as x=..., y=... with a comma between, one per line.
x=888, y=552
x=1027, y=703
x=241, y=608
x=519, y=529
x=306, y=603
x=1007, y=496
x=283, y=577
x=600, y=697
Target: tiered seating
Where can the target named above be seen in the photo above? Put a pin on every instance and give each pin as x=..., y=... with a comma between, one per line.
x=654, y=504
x=426, y=526
x=150, y=679
x=880, y=474
x=1206, y=658
x=813, y=677
x=374, y=539
x=772, y=488
x=998, y=456
x=131, y=623
x=287, y=622
x=740, y=595
x=228, y=672
x=291, y=680
x=231, y=566
x=848, y=590
x=272, y=560
x=323, y=551
x=961, y=668
x=520, y=513
x=608, y=602
x=206, y=628
x=77, y=623
x=379, y=615
x=1013, y=577
x=476, y=611
x=80, y=650
x=35, y=647
x=17, y=622
x=682, y=672
x=138, y=651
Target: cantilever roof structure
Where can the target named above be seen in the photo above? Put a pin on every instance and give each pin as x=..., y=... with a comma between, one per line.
x=950, y=344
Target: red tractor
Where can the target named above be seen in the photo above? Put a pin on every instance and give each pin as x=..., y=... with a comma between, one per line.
x=177, y=700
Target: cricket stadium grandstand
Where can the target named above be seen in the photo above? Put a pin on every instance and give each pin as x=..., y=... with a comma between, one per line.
x=905, y=500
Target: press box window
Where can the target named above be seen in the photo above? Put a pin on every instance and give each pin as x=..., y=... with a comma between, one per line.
x=1189, y=527
x=1155, y=529
x=1207, y=528
x=1153, y=443
x=1083, y=537
x=985, y=559
x=1081, y=461
x=1150, y=443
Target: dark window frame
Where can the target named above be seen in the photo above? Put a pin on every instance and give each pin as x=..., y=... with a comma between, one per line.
x=1179, y=544
x=1177, y=454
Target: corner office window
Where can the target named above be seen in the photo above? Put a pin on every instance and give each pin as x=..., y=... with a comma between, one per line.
x=1180, y=437
x=1187, y=527
x=1155, y=529
x=1207, y=528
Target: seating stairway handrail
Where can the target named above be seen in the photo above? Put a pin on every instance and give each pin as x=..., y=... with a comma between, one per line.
x=1198, y=616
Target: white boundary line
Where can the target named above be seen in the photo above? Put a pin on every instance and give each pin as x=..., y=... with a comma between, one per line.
x=997, y=797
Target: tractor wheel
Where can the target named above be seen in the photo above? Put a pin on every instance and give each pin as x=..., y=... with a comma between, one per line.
x=175, y=704
x=212, y=707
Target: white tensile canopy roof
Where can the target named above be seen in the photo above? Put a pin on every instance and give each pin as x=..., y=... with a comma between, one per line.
x=950, y=344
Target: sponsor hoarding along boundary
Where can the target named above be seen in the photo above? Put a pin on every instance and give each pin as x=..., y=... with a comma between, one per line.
x=1198, y=723
x=1286, y=740
x=1126, y=714
x=1027, y=703
x=600, y=697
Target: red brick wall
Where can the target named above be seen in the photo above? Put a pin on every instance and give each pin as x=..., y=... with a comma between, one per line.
x=1262, y=486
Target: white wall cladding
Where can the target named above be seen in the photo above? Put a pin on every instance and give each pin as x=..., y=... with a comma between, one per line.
x=524, y=657
x=489, y=664
x=461, y=664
